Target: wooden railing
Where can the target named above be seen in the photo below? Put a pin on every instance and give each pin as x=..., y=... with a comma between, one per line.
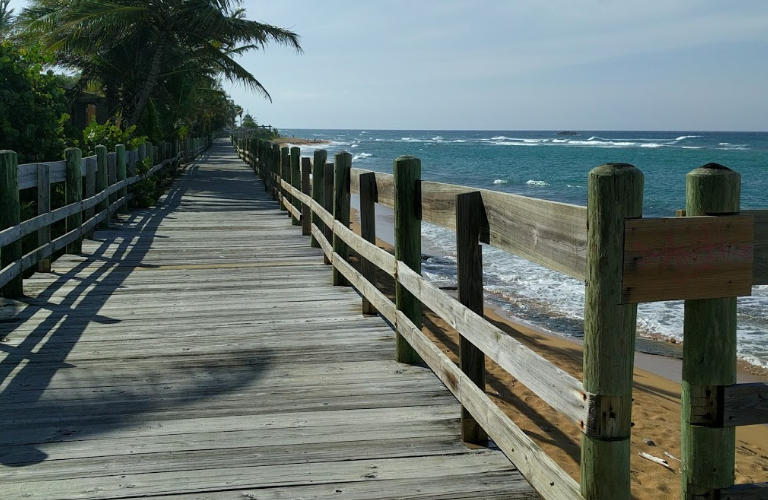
x=623, y=259
x=103, y=178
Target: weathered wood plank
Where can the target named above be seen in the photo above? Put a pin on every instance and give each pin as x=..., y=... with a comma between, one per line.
x=540, y=470
x=555, y=386
x=745, y=404
x=678, y=258
x=760, y=264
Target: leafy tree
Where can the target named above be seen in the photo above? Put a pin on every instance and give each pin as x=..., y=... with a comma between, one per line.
x=132, y=47
x=32, y=105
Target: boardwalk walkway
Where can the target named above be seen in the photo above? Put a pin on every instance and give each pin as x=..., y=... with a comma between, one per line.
x=198, y=351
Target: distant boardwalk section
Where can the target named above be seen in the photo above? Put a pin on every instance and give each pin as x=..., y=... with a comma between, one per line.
x=198, y=350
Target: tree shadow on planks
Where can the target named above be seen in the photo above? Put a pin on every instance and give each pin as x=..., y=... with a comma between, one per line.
x=106, y=394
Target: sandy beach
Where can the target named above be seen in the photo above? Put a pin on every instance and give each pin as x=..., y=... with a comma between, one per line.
x=656, y=410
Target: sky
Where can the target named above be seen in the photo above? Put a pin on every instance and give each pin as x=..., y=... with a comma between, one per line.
x=513, y=65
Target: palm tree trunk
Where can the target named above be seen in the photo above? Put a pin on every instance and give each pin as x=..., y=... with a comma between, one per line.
x=150, y=82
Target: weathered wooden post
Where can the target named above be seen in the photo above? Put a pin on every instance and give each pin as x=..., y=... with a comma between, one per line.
x=175, y=156
x=122, y=174
x=295, y=180
x=285, y=175
x=74, y=194
x=102, y=180
x=368, y=199
x=328, y=203
x=43, y=207
x=90, y=190
x=318, y=174
x=111, y=175
x=615, y=193
x=342, y=164
x=10, y=215
x=470, y=222
x=708, y=450
x=277, y=191
x=306, y=222
x=407, y=170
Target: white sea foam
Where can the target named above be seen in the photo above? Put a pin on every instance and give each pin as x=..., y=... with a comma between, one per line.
x=501, y=181
x=361, y=156
x=652, y=145
x=514, y=143
x=684, y=137
x=437, y=138
x=533, y=182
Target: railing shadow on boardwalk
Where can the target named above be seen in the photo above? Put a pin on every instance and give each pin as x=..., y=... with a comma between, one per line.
x=28, y=369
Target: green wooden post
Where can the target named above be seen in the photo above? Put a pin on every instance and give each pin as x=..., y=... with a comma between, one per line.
x=306, y=222
x=368, y=199
x=74, y=194
x=10, y=215
x=615, y=193
x=43, y=207
x=277, y=192
x=90, y=190
x=470, y=211
x=295, y=181
x=122, y=174
x=407, y=170
x=318, y=167
x=342, y=163
x=102, y=180
x=285, y=175
x=708, y=451
x=328, y=174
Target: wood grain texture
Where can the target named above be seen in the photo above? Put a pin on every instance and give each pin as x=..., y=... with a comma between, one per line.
x=469, y=263
x=615, y=193
x=102, y=178
x=760, y=264
x=687, y=258
x=10, y=216
x=549, y=233
x=318, y=173
x=708, y=454
x=328, y=203
x=550, y=481
x=367, y=184
x=295, y=180
x=43, y=207
x=407, y=177
x=163, y=363
x=74, y=191
x=757, y=491
x=555, y=386
x=745, y=404
x=306, y=167
x=342, y=162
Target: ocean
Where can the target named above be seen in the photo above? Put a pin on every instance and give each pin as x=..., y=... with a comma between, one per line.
x=544, y=164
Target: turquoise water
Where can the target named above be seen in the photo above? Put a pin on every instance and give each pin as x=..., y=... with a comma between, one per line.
x=547, y=165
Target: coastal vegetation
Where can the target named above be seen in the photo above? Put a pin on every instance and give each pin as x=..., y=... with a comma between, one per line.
x=155, y=68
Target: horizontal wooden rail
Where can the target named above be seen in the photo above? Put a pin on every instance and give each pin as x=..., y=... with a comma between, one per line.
x=542, y=472
x=760, y=264
x=45, y=251
x=548, y=233
x=548, y=478
x=556, y=387
x=756, y=491
x=745, y=404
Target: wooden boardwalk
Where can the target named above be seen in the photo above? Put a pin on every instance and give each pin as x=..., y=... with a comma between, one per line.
x=198, y=351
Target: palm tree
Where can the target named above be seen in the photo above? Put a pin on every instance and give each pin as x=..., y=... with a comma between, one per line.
x=131, y=46
x=6, y=19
